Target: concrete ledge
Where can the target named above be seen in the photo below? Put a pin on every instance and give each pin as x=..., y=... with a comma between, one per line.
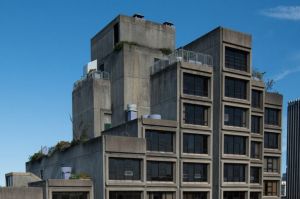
x=273, y=99
x=154, y=122
x=21, y=193
x=257, y=83
x=123, y=144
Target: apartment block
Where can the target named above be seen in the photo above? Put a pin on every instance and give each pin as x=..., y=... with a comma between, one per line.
x=293, y=156
x=167, y=123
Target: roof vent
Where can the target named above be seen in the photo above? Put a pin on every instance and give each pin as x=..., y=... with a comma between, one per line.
x=167, y=23
x=136, y=15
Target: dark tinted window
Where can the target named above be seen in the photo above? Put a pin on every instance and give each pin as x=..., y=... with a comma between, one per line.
x=255, y=175
x=195, y=143
x=271, y=164
x=161, y=195
x=195, y=85
x=195, y=114
x=159, y=141
x=124, y=169
x=235, y=116
x=255, y=124
x=270, y=188
x=272, y=116
x=194, y=195
x=271, y=140
x=159, y=171
x=256, y=101
x=234, y=145
x=254, y=195
x=116, y=34
x=234, y=195
x=255, y=150
x=236, y=59
x=234, y=172
x=235, y=88
x=69, y=195
x=124, y=195
x=194, y=172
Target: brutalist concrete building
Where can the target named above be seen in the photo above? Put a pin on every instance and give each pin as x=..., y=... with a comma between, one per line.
x=293, y=156
x=166, y=123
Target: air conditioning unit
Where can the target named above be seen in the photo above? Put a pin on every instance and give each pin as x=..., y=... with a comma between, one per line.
x=128, y=173
x=91, y=66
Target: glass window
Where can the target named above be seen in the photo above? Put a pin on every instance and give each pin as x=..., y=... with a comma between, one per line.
x=235, y=116
x=255, y=175
x=270, y=188
x=272, y=116
x=159, y=171
x=69, y=195
x=161, y=195
x=125, y=195
x=124, y=169
x=255, y=150
x=254, y=195
x=234, y=195
x=116, y=34
x=236, y=88
x=195, y=143
x=195, y=172
x=271, y=140
x=255, y=124
x=271, y=164
x=234, y=145
x=195, y=114
x=159, y=140
x=236, y=59
x=194, y=195
x=234, y=172
x=256, y=101
x=195, y=85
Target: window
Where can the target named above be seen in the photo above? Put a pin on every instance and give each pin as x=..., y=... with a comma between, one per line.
x=256, y=101
x=8, y=180
x=255, y=150
x=116, y=34
x=195, y=172
x=236, y=59
x=270, y=188
x=159, y=171
x=161, y=195
x=70, y=195
x=195, y=143
x=195, y=114
x=255, y=175
x=195, y=85
x=101, y=67
x=271, y=164
x=235, y=88
x=159, y=140
x=235, y=116
x=194, y=195
x=125, y=195
x=271, y=140
x=124, y=169
x=234, y=172
x=234, y=195
x=272, y=116
x=254, y=195
x=234, y=145
x=255, y=124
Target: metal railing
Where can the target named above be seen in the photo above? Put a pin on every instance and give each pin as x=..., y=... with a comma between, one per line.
x=181, y=55
x=95, y=75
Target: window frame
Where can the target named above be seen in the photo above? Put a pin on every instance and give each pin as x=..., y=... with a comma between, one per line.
x=271, y=184
x=271, y=140
x=122, y=164
x=160, y=136
x=271, y=164
x=203, y=169
x=255, y=175
x=240, y=58
x=204, y=120
x=204, y=84
x=272, y=116
x=231, y=169
x=236, y=148
x=235, y=112
x=159, y=164
x=190, y=143
x=256, y=99
x=233, y=88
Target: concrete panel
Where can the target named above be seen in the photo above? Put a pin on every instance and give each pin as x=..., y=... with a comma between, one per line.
x=125, y=144
x=21, y=193
x=273, y=98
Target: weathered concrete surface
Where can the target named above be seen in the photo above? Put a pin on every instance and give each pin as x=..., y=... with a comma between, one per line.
x=21, y=179
x=125, y=144
x=21, y=193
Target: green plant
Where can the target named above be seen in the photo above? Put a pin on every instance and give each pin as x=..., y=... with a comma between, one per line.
x=36, y=156
x=120, y=45
x=80, y=176
x=269, y=84
x=62, y=146
x=166, y=51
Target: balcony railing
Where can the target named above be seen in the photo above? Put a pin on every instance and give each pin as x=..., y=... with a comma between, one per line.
x=95, y=75
x=182, y=55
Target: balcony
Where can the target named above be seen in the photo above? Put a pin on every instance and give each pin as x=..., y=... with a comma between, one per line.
x=94, y=74
x=181, y=55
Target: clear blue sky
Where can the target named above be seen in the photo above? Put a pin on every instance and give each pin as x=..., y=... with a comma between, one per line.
x=44, y=44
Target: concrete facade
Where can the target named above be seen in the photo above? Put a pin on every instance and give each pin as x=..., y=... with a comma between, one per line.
x=133, y=52
x=15, y=179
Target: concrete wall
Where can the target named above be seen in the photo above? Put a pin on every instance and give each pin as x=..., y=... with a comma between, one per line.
x=91, y=102
x=83, y=158
x=21, y=179
x=21, y=193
